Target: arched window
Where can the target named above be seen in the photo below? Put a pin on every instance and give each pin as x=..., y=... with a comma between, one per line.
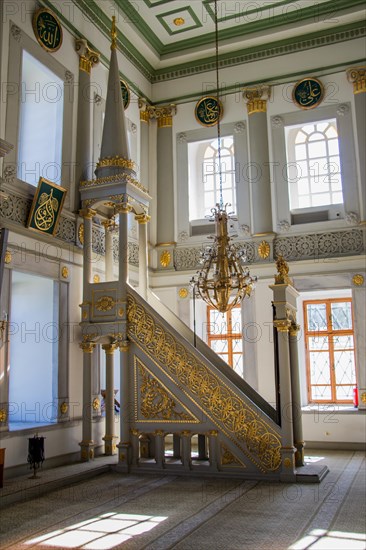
x=204, y=180
x=314, y=170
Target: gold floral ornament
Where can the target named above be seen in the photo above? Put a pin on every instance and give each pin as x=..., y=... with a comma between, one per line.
x=8, y=257
x=96, y=404
x=2, y=415
x=105, y=303
x=178, y=21
x=183, y=293
x=264, y=250
x=288, y=463
x=358, y=279
x=96, y=279
x=64, y=408
x=65, y=272
x=81, y=233
x=363, y=397
x=165, y=258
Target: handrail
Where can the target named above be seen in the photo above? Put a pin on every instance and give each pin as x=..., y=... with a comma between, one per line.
x=183, y=330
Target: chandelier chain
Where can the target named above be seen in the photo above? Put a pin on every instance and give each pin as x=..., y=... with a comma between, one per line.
x=218, y=103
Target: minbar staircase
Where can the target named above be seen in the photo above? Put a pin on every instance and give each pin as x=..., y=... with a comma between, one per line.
x=180, y=392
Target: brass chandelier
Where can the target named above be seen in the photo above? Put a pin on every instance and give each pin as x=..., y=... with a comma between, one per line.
x=222, y=281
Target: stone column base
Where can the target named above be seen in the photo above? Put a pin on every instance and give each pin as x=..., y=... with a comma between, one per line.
x=123, y=456
x=87, y=450
x=288, y=472
x=110, y=447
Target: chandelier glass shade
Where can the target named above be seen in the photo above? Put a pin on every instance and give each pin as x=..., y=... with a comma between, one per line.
x=223, y=281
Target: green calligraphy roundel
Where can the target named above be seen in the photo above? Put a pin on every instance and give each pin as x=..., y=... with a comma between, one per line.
x=47, y=29
x=208, y=110
x=308, y=93
x=126, y=94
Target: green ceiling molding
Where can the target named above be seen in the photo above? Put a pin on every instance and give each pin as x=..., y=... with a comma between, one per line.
x=316, y=13
x=181, y=11
x=257, y=9
x=258, y=53
x=272, y=80
x=157, y=3
x=132, y=15
x=248, y=55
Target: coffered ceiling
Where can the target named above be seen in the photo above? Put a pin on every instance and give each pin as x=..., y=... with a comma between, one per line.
x=163, y=37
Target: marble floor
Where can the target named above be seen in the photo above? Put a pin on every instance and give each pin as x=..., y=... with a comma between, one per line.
x=156, y=512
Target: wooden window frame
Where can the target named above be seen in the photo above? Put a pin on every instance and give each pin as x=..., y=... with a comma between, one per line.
x=229, y=335
x=329, y=333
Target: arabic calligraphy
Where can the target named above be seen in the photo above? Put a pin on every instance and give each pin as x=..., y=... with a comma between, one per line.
x=44, y=216
x=208, y=111
x=47, y=29
x=125, y=94
x=308, y=93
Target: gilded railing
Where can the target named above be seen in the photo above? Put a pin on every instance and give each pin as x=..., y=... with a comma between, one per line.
x=227, y=409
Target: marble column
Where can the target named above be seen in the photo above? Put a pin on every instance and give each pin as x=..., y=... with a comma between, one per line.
x=159, y=448
x=144, y=145
x=296, y=395
x=357, y=76
x=88, y=215
x=213, y=451
x=260, y=180
x=143, y=220
x=110, y=437
x=123, y=210
x=108, y=250
x=84, y=157
x=165, y=168
x=125, y=412
x=359, y=309
x=284, y=301
x=186, y=438
x=87, y=443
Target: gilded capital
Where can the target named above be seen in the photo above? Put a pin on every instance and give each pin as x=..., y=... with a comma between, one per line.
x=109, y=348
x=142, y=218
x=87, y=213
x=88, y=57
x=123, y=208
x=256, y=98
x=164, y=114
x=294, y=329
x=357, y=77
x=87, y=347
x=282, y=325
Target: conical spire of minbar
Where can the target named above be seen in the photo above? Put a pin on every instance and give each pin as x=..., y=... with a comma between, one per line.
x=115, y=151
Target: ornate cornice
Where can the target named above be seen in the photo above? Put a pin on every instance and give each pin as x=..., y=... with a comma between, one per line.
x=357, y=76
x=256, y=98
x=88, y=57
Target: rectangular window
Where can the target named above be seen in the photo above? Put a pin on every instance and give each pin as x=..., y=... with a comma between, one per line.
x=224, y=336
x=41, y=122
x=330, y=350
x=33, y=378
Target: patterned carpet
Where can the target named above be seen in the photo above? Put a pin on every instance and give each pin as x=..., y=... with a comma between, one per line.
x=112, y=511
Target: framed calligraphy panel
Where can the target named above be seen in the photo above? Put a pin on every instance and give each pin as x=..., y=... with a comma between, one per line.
x=46, y=207
x=208, y=110
x=47, y=29
x=126, y=95
x=308, y=93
